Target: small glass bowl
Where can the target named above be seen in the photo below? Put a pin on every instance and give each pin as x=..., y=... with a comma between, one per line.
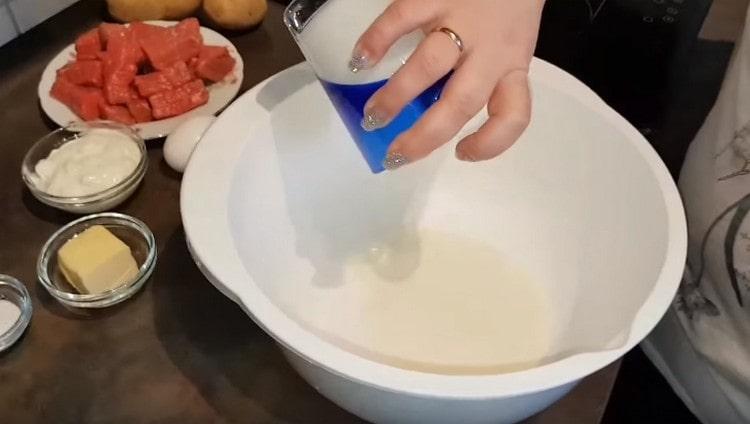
x=96, y=202
x=131, y=231
x=15, y=292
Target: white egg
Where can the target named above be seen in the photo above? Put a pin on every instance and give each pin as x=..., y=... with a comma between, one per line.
x=182, y=141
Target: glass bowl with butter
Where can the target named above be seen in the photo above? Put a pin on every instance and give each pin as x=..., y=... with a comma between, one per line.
x=98, y=260
x=86, y=167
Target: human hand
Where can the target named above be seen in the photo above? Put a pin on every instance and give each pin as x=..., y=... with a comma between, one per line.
x=498, y=37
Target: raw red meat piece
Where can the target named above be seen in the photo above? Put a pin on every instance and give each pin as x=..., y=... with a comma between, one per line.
x=108, y=30
x=211, y=52
x=178, y=74
x=124, y=50
x=179, y=100
x=191, y=28
x=179, y=43
x=88, y=45
x=122, y=75
x=161, y=55
x=117, y=113
x=150, y=84
x=119, y=71
x=83, y=101
x=83, y=72
x=192, y=63
x=140, y=110
x=120, y=44
x=120, y=66
x=119, y=94
x=162, y=52
x=188, y=47
x=142, y=31
x=214, y=64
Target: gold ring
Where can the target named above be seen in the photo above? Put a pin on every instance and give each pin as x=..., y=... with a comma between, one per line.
x=454, y=37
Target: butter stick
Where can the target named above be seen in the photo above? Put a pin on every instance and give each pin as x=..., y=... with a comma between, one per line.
x=96, y=261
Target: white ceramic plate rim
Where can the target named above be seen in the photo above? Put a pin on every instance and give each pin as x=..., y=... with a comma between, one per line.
x=221, y=94
x=208, y=233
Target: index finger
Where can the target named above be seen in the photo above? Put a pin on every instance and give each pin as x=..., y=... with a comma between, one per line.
x=399, y=18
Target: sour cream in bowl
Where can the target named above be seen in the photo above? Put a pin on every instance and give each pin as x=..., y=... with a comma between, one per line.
x=86, y=167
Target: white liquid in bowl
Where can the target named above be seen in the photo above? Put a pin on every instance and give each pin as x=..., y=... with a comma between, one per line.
x=441, y=303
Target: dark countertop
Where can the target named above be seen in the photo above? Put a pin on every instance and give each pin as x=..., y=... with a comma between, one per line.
x=178, y=352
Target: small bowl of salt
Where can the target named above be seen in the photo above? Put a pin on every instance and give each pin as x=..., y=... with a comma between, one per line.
x=15, y=310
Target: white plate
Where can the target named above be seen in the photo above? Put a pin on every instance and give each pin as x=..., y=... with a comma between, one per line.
x=276, y=196
x=220, y=94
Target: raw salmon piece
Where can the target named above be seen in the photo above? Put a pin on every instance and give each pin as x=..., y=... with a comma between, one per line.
x=211, y=52
x=140, y=110
x=179, y=43
x=119, y=94
x=179, y=100
x=122, y=49
x=83, y=101
x=118, y=72
x=190, y=28
x=162, y=52
x=83, y=72
x=108, y=30
x=150, y=84
x=142, y=31
x=215, y=69
x=192, y=63
x=178, y=74
x=117, y=113
x=88, y=45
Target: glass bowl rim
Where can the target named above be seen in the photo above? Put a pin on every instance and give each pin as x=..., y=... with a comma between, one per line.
x=118, y=292
x=26, y=308
x=78, y=127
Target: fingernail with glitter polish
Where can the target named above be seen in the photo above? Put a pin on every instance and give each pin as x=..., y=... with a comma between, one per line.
x=373, y=120
x=461, y=155
x=394, y=160
x=358, y=62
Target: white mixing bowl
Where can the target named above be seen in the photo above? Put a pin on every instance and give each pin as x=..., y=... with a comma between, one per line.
x=276, y=197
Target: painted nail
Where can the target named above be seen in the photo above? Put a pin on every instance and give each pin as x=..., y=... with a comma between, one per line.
x=394, y=161
x=461, y=155
x=358, y=62
x=373, y=120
